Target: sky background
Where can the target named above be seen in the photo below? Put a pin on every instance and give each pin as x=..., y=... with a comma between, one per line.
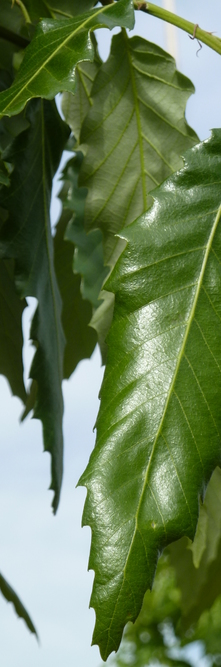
x=45, y=557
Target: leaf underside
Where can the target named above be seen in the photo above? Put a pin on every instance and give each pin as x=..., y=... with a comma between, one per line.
x=135, y=133
x=159, y=425
x=133, y=141
x=50, y=60
x=10, y=595
x=26, y=238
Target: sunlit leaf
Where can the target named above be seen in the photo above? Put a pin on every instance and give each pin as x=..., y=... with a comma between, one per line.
x=75, y=107
x=160, y=405
x=50, y=60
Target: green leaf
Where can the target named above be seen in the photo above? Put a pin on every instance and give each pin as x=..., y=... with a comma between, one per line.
x=69, y=8
x=76, y=312
x=135, y=133
x=26, y=237
x=49, y=63
x=200, y=587
x=10, y=595
x=88, y=255
x=160, y=398
x=75, y=107
x=11, y=338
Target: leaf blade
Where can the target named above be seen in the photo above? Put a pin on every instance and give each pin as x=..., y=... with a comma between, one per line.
x=50, y=60
x=151, y=461
x=133, y=139
x=10, y=595
x=26, y=237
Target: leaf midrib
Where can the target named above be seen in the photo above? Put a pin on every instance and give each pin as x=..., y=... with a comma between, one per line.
x=181, y=354
x=137, y=111
x=204, y=264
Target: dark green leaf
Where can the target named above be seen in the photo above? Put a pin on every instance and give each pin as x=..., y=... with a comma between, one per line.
x=69, y=8
x=160, y=405
x=26, y=237
x=88, y=256
x=11, y=339
x=10, y=595
x=76, y=312
x=49, y=63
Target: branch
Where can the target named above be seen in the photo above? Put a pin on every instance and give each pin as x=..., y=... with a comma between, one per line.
x=205, y=37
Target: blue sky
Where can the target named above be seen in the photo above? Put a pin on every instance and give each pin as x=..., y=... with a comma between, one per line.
x=43, y=557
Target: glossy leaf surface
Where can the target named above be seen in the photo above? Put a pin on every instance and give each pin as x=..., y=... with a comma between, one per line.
x=49, y=63
x=135, y=134
x=160, y=398
x=26, y=238
x=10, y=595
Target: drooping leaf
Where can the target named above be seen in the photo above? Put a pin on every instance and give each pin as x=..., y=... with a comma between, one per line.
x=132, y=141
x=135, y=133
x=76, y=312
x=160, y=398
x=198, y=565
x=75, y=107
x=88, y=255
x=11, y=338
x=50, y=60
x=26, y=238
x=10, y=595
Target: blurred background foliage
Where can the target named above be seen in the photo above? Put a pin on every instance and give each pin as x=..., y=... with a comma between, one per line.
x=180, y=620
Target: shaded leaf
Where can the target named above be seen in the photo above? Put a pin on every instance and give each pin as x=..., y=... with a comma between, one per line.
x=10, y=595
x=11, y=338
x=135, y=133
x=88, y=255
x=26, y=237
x=70, y=7
x=200, y=587
x=101, y=320
x=50, y=60
x=160, y=405
x=204, y=582
x=208, y=532
x=76, y=312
